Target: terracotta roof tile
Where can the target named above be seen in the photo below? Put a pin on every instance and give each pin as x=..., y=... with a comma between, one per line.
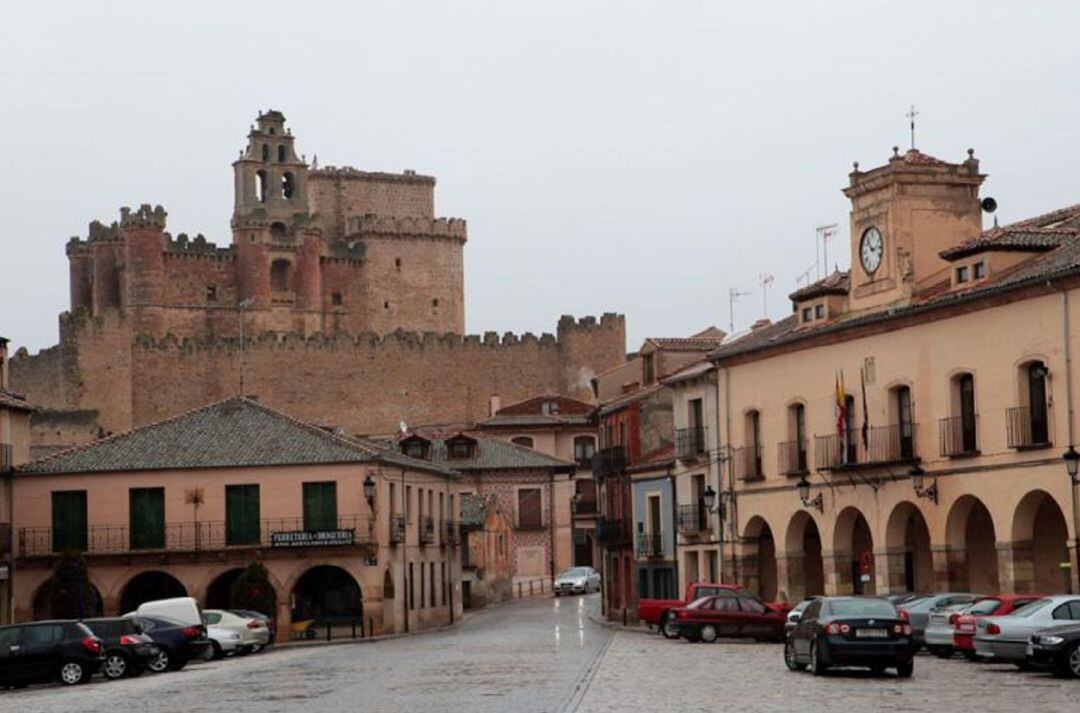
x=1039, y=234
x=11, y=400
x=837, y=283
x=685, y=344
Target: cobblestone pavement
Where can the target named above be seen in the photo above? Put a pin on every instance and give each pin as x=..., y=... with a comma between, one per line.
x=528, y=655
x=645, y=672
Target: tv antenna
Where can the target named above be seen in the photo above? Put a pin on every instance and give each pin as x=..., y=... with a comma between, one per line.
x=911, y=117
x=825, y=233
x=765, y=280
x=734, y=293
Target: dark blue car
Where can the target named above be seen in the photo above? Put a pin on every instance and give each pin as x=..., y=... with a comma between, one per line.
x=865, y=632
x=177, y=642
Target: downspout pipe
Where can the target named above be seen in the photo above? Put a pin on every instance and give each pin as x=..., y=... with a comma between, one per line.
x=1069, y=420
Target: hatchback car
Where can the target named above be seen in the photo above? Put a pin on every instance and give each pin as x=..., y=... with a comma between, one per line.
x=729, y=614
x=1005, y=638
x=577, y=580
x=48, y=651
x=851, y=631
x=1058, y=648
x=128, y=651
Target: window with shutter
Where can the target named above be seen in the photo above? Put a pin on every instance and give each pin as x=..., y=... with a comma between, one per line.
x=146, y=515
x=242, y=514
x=69, y=521
x=320, y=506
x=530, y=515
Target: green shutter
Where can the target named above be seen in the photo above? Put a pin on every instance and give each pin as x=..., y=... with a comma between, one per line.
x=242, y=514
x=69, y=521
x=147, y=518
x=320, y=506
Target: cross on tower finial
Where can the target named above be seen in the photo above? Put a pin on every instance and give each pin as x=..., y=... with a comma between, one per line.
x=911, y=115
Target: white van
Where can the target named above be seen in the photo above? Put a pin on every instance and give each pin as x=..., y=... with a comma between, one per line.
x=184, y=609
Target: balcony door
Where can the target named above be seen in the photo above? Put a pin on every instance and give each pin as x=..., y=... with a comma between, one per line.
x=69, y=521
x=1040, y=427
x=242, y=514
x=967, y=413
x=904, y=421
x=320, y=506
x=146, y=513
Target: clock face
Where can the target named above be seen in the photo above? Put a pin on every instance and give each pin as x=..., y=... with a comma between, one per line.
x=871, y=248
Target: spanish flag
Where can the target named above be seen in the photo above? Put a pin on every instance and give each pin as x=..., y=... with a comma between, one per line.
x=841, y=407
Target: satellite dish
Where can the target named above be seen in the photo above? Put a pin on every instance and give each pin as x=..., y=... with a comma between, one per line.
x=989, y=204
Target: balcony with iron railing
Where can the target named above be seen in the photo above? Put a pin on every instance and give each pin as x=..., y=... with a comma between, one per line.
x=397, y=529
x=690, y=443
x=650, y=544
x=885, y=445
x=957, y=436
x=427, y=530
x=692, y=519
x=793, y=457
x=1027, y=428
x=613, y=532
x=609, y=461
x=190, y=537
x=746, y=463
x=451, y=533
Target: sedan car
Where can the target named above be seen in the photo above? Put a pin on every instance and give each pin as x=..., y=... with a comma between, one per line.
x=577, y=580
x=1058, y=648
x=251, y=614
x=729, y=614
x=918, y=610
x=253, y=633
x=1005, y=638
x=996, y=605
x=795, y=614
x=177, y=642
x=851, y=631
x=938, y=635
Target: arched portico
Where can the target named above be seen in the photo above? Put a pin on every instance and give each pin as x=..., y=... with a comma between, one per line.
x=43, y=604
x=851, y=567
x=757, y=567
x=1039, y=545
x=802, y=570
x=909, y=564
x=147, y=586
x=970, y=560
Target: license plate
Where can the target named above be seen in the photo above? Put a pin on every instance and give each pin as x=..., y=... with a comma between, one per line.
x=871, y=633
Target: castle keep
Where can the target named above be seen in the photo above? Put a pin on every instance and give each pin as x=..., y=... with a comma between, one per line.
x=350, y=292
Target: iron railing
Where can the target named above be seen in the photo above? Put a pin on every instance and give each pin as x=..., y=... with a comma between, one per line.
x=884, y=445
x=1027, y=427
x=613, y=532
x=650, y=544
x=194, y=537
x=609, y=461
x=397, y=529
x=451, y=533
x=958, y=436
x=746, y=462
x=427, y=530
x=690, y=442
x=692, y=519
x=793, y=457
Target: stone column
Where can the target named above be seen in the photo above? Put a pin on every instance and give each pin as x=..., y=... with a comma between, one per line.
x=284, y=618
x=1016, y=569
x=790, y=577
x=837, y=573
x=950, y=568
x=1074, y=571
x=889, y=571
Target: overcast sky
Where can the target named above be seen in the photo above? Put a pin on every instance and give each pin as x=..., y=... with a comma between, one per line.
x=639, y=157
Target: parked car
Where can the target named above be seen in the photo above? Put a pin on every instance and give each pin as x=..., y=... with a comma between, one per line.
x=851, y=631
x=898, y=598
x=1058, y=648
x=223, y=642
x=1005, y=638
x=577, y=580
x=128, y=651
x=48, y=651
x=184, y=609
x=917, y=611
x=729, y=614
x=795, y=614
x=658, y=612
x=270, y=623
x=254, y=633
x=996, y=605
x=940, y=626
x=177, y=642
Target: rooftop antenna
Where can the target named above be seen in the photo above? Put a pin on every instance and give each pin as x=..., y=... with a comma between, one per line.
x=765, y=280
x=824, y=234
x=734, y=293
x=911, y=117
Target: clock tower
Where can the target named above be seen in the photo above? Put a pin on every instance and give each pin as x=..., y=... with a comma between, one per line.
x=902, y=215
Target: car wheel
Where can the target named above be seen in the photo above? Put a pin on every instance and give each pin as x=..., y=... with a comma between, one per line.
x=256, y=648
x=817, y=666
x=708, y=633
x=790, y=658
x=1070, y=662
x=217, y=652
x=668, y=627
x=905, y=668
x=159, y=663
x=73, y=672
x=116, y=666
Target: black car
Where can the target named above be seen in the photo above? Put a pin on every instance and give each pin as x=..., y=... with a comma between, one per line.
x=48, y=651
x=177, y=642
x=851, y=631
x=128, y=651
x=1056, y=647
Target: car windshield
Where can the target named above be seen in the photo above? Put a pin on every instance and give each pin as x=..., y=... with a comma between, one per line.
x=576, y=572
x=862, y=607
x=1032, y=608
x=801, y=606
x=698, y=603
x=986, y=606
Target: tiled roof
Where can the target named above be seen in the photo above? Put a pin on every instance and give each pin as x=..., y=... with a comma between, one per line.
x=690, y=371
x=474, y=509
x=535, y=420
x=238, y=432
x=685, y=344
x=1039, y=234
x=489, y=454
x=535, y=405
x=837, y=283
x=918, y=158
x=11, y=400
x=623, y=399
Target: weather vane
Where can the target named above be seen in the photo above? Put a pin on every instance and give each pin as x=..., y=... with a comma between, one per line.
x=911, y=116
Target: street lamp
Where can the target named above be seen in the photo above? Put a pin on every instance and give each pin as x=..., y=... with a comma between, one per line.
x=803, y=486
x=708, y=498
x=369, y=490
x=918, y=477
x=1072, y=464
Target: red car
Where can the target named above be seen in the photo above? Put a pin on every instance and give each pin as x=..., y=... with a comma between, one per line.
x=660, y=612
x=731, y=614
x=996, y=605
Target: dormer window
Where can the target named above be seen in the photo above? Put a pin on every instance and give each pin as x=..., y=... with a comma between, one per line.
x=460, y=447
x=978, y=270
x=807, y=314
x=961, y=274
x=549, y=408
x=416, y=447
x=819, y=311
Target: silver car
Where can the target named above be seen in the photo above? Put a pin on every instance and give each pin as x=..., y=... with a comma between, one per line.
x=940, y=627
x=918, y=610
x=577, y=580
x=1005, y=638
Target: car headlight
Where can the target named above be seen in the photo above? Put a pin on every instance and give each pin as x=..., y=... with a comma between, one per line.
x=1052, y=640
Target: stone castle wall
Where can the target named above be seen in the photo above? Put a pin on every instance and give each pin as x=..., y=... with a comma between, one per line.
x=365, y=383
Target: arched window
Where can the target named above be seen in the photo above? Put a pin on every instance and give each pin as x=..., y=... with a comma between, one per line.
x=1029, y=423
x=958, y=432
x=287, y=185
x=522, y=441
x=279, y=276
x=281, y=153
x=751, y=457
x=905, y=425
x=260, y=186
x=584, y=448
x=793, y=453
x=265, y=153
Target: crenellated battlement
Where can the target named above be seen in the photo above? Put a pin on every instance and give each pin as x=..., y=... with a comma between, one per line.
x=407, y=227
x=355, y=174
x=143, y=217
x=197, y=246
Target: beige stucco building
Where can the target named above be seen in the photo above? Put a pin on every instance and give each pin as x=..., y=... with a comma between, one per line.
x=346, y=529
x=14, y=450
x=924, y=399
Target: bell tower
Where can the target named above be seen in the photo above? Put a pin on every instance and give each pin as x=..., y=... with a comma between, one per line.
x=270, y=180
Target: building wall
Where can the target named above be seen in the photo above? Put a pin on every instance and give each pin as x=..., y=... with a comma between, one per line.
x=280, y=501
